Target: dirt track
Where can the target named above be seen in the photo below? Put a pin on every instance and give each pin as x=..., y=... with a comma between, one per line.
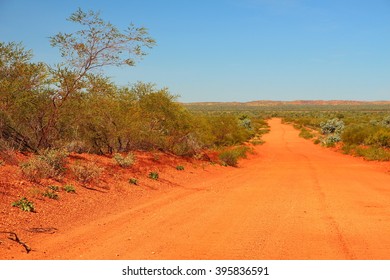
x=292, y=200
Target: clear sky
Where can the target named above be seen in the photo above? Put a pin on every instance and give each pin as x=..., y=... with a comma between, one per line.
x=233, y=50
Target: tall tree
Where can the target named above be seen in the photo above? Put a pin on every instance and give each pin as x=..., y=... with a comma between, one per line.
x=96, y=45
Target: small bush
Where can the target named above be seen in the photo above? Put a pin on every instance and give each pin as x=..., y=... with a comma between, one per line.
x=51, y=195
x=333, y=126
x=133, y=181
x=373, y=153
x=86, y=172
x=380, y=138
x=153, y=175
x=230, y=157
x=69, y=188
x=54, y=188
x=49, y=164
x=306, y=134
x=331, y=140
x=357, y=134
x=180, y=167
x=124, y=161
x=24, y=204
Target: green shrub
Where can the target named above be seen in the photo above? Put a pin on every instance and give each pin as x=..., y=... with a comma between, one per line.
x=24, y=204
x=229, y=158
x=153, y=175
x=86, y=172
x=357, y=134
x=69, y=188
x=379, y=138
x=126, y=161
x=50, y=194
x=54, y=188
x=133, y=181
x=331, y=140
x=373, y=153
x=180, y=167
x=306, y=134
x=333, y=126
x=49, y=164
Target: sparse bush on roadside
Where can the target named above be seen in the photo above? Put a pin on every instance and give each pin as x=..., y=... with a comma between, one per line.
x=24, y=204
x=133, y=181
x=35, y=169
x=86, y=172
x=230, y=157
x=69, y=188
x=333, y=126
x=54, y=188
x=357, y=134
x=380, y=138
x=306, y=134
x=373, y=153
x=331, y=140
x=51, y=195
x=317, y=141
x=49, y=164
x=126, y=161
x=153, y=175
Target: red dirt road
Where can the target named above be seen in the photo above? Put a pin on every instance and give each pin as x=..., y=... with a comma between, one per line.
x=291, y=200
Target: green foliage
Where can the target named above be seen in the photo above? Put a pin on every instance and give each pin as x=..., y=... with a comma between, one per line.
x=230, y=157
x=380, y=138
x=49, y=164
x=373, y=153
x=357, y=134
x=333, y=126
x=180, y=167
x=69, y=188
x=126, y=161
x=133, y=181
x=24, y=204
x=305, y=133
x=86, y=172
x=153, y=175
x=331, y=140
x=54, y=188
x=51, y=195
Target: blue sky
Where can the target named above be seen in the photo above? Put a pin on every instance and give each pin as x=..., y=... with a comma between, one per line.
x=234, y=50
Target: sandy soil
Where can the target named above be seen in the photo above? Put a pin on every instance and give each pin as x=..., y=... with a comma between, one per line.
x=290, y=200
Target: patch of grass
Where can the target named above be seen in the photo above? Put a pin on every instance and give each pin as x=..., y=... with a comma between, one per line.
x=126, y=161
x=153, y=175
x=69, y=188
x=51, y=195
x=24, y=204
x=133, y=181
x=180, y=167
